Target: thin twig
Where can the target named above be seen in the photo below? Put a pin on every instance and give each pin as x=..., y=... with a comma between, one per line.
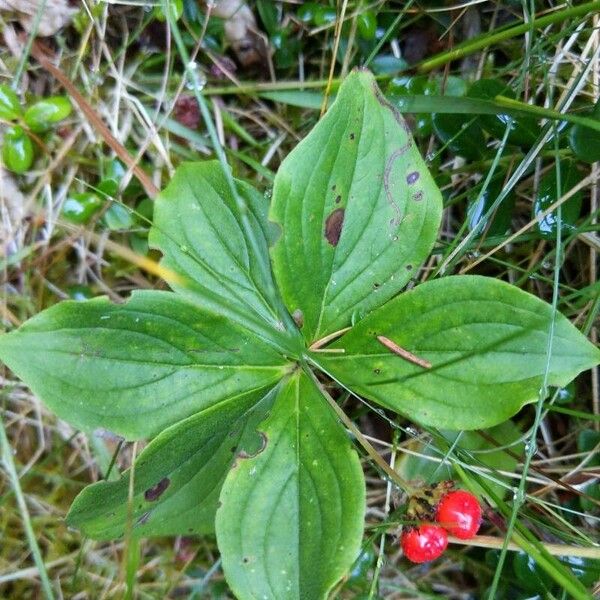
x=328, y=338
x=405, y=354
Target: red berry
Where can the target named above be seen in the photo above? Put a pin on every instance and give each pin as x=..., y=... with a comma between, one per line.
x=424, y=543
x=460, y=513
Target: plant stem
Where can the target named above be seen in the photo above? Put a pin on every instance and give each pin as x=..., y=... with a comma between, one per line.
x=9, y=466
x=489, y=39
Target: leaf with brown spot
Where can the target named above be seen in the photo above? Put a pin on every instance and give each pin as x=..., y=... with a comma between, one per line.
x=329, y=254
x=190, y=460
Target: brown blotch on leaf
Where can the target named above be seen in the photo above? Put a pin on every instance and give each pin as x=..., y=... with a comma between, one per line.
x=155, y=492
x=351, y=136
x=263, y=445
x=338, y=199
x=418, y=196
x=412, y=177
x=333, y=226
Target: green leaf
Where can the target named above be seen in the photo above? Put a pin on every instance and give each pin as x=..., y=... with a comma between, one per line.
x=118, y=217
x=10, y=106
x=479, y=204
x=463, y=136
x=523, y=130
x=476, y=448
x=200, y=231
x=549, y=192
x=358, y=211
x=486, y=340
x=17, y=151
x=177, y=478
x=291, y=519
x=44, y=113
x=584, y=141
x=80, y=207
x=138, y=367
x=366, y=22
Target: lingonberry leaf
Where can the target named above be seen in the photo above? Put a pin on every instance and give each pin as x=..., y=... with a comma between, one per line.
x=486, y=342
x=219, y=250
x=291, y=517
x=358, y=211
x=138, y=367
x=178, y=477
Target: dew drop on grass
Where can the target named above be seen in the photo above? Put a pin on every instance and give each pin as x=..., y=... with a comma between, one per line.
x=195, y=78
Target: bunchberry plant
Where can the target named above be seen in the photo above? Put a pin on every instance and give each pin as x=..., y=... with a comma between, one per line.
x=226, y=371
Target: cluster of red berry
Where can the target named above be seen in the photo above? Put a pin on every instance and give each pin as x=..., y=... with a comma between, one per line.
x=458, y=512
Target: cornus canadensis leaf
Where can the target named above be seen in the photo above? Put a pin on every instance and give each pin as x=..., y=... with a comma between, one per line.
x=138, y=367
x=291, y=517
x=486, y=341
x=178, y=477
x=358, y=210
x=220, y=252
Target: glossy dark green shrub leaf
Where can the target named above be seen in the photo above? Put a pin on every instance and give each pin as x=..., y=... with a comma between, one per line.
x=461, y=134
x=138, y=367
x=587, y=570
x=587, y=442
x=585, y=142
x=45, y=113
x=366, y=24
x=405, y=86
x=529, y=575
x=118, y=217
x=270, y=14
x=360, y=577
x=178, y=477
x=10, y=105
x=81, y=207
x=323, y=15
x=306, y=11
x=485, y=339
x=523, y=130
x=291, y=516
x=286, y=49
x=479, y=203
x=17, y=150
x=358, y=211
x=549, y=192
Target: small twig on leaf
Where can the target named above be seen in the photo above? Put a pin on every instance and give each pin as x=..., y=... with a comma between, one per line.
x=405, y=354
x=328, y=338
